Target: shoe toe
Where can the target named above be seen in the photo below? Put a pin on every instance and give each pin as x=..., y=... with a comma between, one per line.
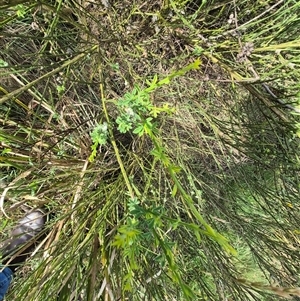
x=34, y=221
x=27, y=228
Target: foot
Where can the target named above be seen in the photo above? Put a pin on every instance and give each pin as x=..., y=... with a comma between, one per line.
x=22, y=237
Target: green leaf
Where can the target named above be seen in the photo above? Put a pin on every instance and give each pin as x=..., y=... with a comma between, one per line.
x=174, y=190
x=6, y=151
x=100, y=133
x=139, y=130
x=164, y=81
x=124, y=123
x=3, y=63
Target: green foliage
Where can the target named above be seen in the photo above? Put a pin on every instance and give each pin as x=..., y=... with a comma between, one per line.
x=99, y=136
x=3, y=63
x=143, y=229
x=135, y=108
x=60, y=89
x=194, y=106
x=21, y=10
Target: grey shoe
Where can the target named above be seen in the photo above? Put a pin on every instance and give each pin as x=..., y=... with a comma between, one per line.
x=23, y=235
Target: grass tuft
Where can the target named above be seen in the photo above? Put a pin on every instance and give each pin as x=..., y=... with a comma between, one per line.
x=162, y=138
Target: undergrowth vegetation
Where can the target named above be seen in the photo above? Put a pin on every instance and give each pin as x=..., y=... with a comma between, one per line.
x=162, y=139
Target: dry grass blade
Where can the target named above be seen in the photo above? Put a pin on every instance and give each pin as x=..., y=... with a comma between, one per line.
x=146, y=159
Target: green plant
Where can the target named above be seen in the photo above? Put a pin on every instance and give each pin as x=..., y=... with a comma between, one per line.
x=21, y=10
x=195, y=191
x=99, y=136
